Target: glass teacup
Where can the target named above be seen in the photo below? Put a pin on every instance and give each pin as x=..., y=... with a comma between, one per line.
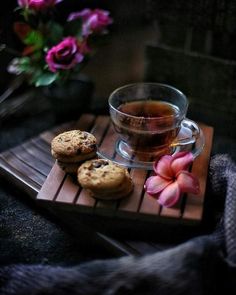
x=150, y=119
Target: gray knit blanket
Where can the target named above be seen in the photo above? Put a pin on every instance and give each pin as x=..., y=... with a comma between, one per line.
x=203, y=265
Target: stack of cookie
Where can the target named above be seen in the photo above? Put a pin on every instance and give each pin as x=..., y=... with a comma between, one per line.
x=71, y=148
x=104, y=179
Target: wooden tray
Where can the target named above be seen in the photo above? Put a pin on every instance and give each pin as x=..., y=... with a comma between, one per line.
x=60, y=189
x=29, y=166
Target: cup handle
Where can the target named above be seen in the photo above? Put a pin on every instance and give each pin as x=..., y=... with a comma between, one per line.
x=189, y=132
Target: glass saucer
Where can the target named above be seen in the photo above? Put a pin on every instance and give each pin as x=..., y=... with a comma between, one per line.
x=114, y=152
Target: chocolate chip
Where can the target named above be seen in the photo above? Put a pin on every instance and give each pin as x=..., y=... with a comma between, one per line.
x=92, y=146
x=100, y=163
x=97, y=165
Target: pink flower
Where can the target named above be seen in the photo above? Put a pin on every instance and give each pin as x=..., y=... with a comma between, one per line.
x=64, y=55
x=172, y=178
x=93, y=20
x=38, y=4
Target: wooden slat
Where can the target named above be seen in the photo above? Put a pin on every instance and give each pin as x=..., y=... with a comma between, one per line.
x=108, y=142
x=62, y=127
x=194, y=203
x=100, y=127
x=19, y=165
x=47, y=136
x=52, y=184
x=132, y=202
x=41, y=144
x=32, y=160
x=173, y=212
x=85, y=202
x=19, y=178
x=36, y=149
x=149, y=205
x=68, y=191
x=83, y=123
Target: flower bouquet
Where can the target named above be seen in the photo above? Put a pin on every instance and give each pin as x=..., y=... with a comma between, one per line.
x=53, y=51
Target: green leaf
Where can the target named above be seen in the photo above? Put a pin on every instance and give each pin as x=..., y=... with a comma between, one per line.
x=37, y=55
x=24, y=64
x=46, y=79
x=56, y=33
x=34, y=38
x=74, y=28
x=24, y=60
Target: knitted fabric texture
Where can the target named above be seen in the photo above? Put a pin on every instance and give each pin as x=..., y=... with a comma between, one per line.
x=223, y=180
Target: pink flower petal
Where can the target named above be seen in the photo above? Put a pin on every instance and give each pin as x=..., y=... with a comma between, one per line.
x=155, y=184
x=181, y=161
x=170, y=195
x=163, y=167
x=188, y=183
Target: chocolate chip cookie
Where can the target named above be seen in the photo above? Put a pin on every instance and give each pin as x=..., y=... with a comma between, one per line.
x=105, y=179
x=72, y=147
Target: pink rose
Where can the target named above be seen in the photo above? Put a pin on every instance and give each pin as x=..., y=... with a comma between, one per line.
x=38, y=4
x=93, y=20
x=64, y=55
x=172, y=178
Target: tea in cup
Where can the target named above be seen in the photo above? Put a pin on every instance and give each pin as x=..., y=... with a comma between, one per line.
x=148, y=118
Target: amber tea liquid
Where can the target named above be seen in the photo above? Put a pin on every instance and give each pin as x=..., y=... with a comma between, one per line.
x=150, y=126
